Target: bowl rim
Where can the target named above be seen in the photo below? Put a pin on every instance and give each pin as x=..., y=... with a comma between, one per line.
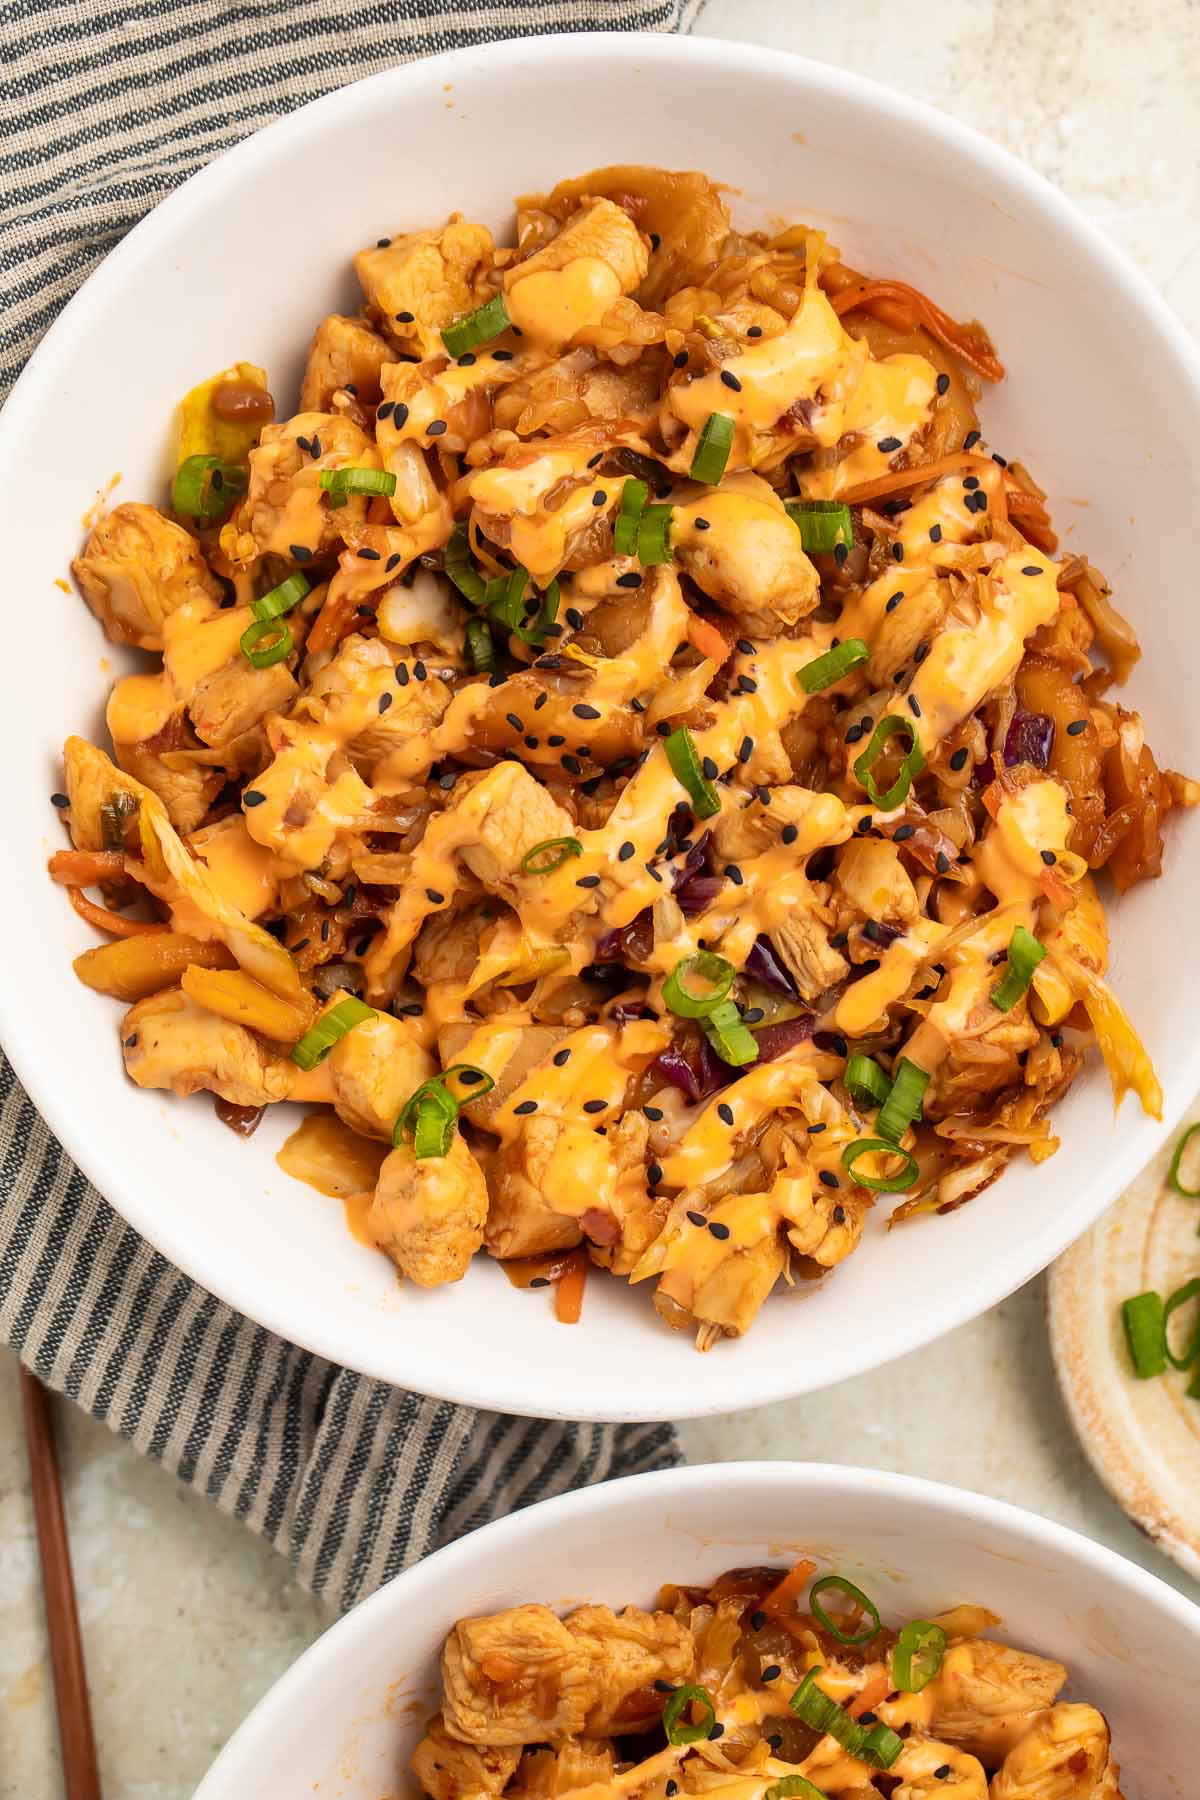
x=468, y=1381
x=427, y=1584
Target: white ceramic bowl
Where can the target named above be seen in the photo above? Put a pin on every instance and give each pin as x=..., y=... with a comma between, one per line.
x=1103, y=400
x=342, y=1722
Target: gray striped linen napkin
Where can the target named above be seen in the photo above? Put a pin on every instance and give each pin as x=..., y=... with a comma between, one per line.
x=106, y=106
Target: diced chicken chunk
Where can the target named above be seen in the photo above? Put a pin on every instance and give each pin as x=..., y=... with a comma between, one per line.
x=510, y=812
x=232, y=700
x=627, y=1652
x=747, y=556
x=560, y=294
x=545, y=1773
x=802, y=941
x=522, y=1218
x=448, y=1769
x=137, y=567
x=927, y=1767
x=874, y=880
x=429, y=1214
x=344, y=353
x=285, y=507
x=986, y=1695
x=900, y=631
x=171, y=1042
x=186, y=791
x=373, y=1070
x=1064, y=1757
x=427, y=279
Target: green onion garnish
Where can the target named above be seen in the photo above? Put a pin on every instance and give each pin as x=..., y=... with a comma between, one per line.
x=457, y=563
x=320, y=1038
x=1179, y=1298
x=478, y=327
x=281, y=599
x=712, y=449
x=475, y=1080
x=683, y=999
x=654, y=536
x=430, y=1113
x=839, y=1585
x=339, y=484
x=823, y=671
x=729, y=1035
x=865, y=1080
x=918, y=1654
x=504, y=598
x=822, y=524
x=262, y=655
x=903, y=1104
x=683, y=1697
x=480, y=647
x=549, y=855
x=205, y=488
x=1024, y=955
x=891, y=725
x=685, y=766
x=433, y=1129
x=1145, y=1324
x=881, y=1184
x=795, y=1787
x=547, y=614
x=880, y=1745
x=634, y=496
x=1189, y=1193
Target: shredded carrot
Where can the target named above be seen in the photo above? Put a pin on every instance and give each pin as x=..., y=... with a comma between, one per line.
x=876, y=1688
x=968, y=342
x=705, y=637
x=783, y=1596
x=103, y=920
x=334, y=622
x=897, y=481
x=568, y=1292
x=1029, y=513
x=86, y=868
x=838, y=277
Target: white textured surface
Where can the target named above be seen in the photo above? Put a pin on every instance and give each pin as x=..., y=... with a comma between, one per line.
x=188, y=1620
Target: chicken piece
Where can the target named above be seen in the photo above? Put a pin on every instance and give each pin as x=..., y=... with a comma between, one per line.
x=373, y=1070
x=232, y=700
x=627, y=1652
x=899, y=632
x=135, y=569
x=684, y=210
x=510, y=812
x=448, y=1769
x=747, y=556
x=285, y=508
x=376, y=556
x=1063, y=1757
x=344, y=353
x=187, y=790
x=802, y=941
x=986, y=1695
x=387, y=736
x=560, y=294
x=429, y=1214
x=170, y=1042
x=546, y=1774
x=511, y=500
x=873, y=879
x=926, y=1767
x=522, y=1219
x=424, y=280
x=515, y=1677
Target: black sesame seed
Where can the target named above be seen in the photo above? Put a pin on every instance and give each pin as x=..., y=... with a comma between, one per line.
x=697, y=1218
x=574, y=617
x=722, y=1232
x=789, y=834
x=971, y=439
x=681, y=359
x=935, y=534
x=599, y=497
x=583, y=711
x=753, y=1015
x=864, y=825
x=725, y=1112
x=814, y=1129
x=252, y=797
x=502, y=355
x=631, y=580
x=971, y=482
x=914, y=705
x=757, y=1620
x=840, y=553
x=775, y=1740
x=556, y=740
x=731, y=381
x=59, y=800
x=734, y=873
x=745, y=750
x=672, y=1787
x=595, y=1106
x=942, y=862
x=402, y=675
x=754, y=331
x=588, y=881
x=296, y=948
x=708, y=769
x=902, y=832
x=1033, y=569
x=572, y=765
x=958, y=760
x=854, y=733
x=517, y=724
x=839, y=1215
x=772, y=1672
x=653, y=873
x=434, y=898
x=1049, y=858
x=530, y=742
x=467, y=360
x=435, y=428
x=653, y=1112
x=997, y=458
x=654, y=1174
x=894, y=600
x=920, y=653
x=829, y=1178
x=1076, y=726
x=943, y=384
x=942, y=1771
x=888, y=445
x=370, y=556
x=526, y=1107
x=316, y=445
x=385, y=700
x=702, y=524
x=898, y=552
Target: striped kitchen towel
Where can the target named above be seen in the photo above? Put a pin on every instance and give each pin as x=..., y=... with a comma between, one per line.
x=106, y=106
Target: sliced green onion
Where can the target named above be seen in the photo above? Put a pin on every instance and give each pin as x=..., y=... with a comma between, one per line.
x=480, y=647
x=1189, y=1193
x=654, y=536
x=712, y=449
x=881, y=1184
x=205, y=488
x=865, y=1080
x=547, y=614
x=822, y=524
x=1024, y=955
x=634, y=496
x=1193, y=1387
x=457, y=563
x=795, y=1787
x=685, y=766
x=320, y=1038
x=433, y=1129
x=891, y=725
x=681, y=1699
x=1144, y=1318
x=729, y=1035
x=1180, y=1297
x=261, y=655
x=918, y=1654
x=477, y=1082
x=549, y=855
x=433, y=1090
x=281, y=599
x=478, y=327
x=339, y=484
x=683, y=999
x=903, y=1104
x=823, y=671
x=839, y=1585
x=504, y=598
x=881, y=1746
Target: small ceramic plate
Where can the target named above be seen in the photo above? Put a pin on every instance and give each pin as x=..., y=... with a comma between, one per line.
x=1142, y=1437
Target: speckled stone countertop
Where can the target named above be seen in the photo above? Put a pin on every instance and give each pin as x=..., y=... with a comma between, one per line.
x=188, y=1620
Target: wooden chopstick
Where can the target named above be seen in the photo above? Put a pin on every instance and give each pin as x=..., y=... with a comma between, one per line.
x=81, y=1777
